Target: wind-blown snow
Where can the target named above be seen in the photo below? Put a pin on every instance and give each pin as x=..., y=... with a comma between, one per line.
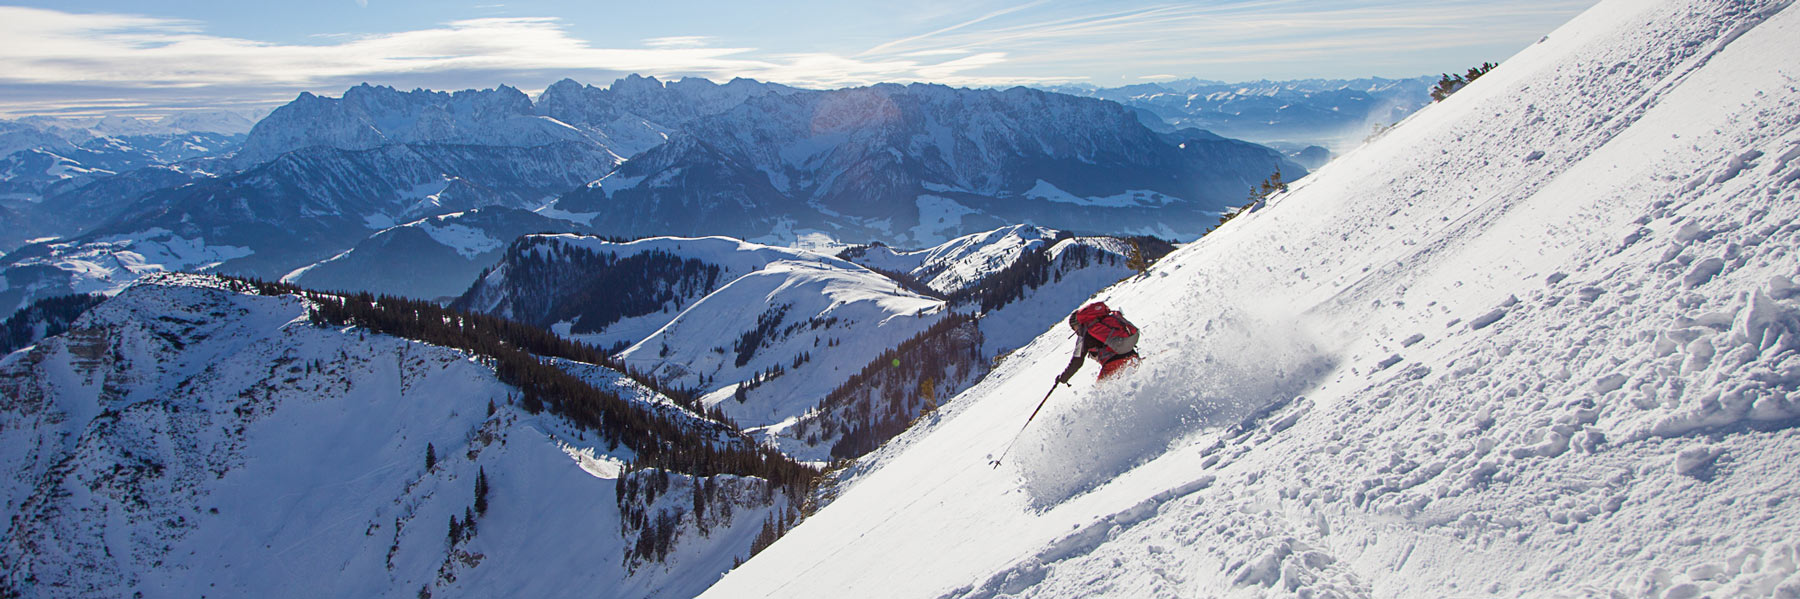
x=1542, y=338
x=1239, y=363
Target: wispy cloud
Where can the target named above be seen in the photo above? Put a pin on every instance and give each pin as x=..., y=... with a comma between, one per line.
x=678, y=41
x=1251, y=33
x=48, y=47
x=964, y=24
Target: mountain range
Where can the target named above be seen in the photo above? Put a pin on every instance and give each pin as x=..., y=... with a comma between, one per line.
x=910, y=165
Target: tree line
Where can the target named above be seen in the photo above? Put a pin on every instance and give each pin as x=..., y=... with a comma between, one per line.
x=46, y=317
x=553, y=282
x=887, y=395
x=522, y=355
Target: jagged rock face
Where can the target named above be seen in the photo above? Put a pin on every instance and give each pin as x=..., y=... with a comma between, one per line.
x=369, y=117
x=638, y=113
x=916, y=165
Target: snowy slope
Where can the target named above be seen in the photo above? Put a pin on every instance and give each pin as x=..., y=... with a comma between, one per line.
x=429, y=258
x=537, y=281
x=960, y=263
x=187, y=439
x=812, y=324
x=1006, y=307
x=1541, y=339
x=1081, y=266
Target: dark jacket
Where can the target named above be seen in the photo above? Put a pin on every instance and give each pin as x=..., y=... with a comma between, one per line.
x=1089, y=346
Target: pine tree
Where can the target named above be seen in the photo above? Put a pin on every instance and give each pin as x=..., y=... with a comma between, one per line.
x=927, y=396
x=430, y=457
x=455, y=531
x=1136, y=261
x=700, y=504
x=481, y=491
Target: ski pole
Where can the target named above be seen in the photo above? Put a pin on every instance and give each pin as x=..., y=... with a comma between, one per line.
x=1034, y=413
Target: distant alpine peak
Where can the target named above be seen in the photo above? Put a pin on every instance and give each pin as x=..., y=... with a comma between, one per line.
x=370, y=116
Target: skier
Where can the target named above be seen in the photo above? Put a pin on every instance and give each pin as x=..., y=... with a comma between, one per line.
x=1105, y=336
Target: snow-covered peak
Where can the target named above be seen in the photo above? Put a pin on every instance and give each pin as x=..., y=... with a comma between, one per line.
x=636, y=113
x=802, y=327
x=209, y=121
x=736, y=256
x=1537, y=340
x=962, y=262
x=372, y=116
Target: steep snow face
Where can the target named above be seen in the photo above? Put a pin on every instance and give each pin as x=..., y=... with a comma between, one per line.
x=800, y=328
x=1541, y=338
x=186, y=439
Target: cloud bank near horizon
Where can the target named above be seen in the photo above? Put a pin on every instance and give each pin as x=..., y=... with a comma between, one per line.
x=57, y=62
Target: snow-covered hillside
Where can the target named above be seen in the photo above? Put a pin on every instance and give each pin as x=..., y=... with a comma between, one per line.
x=191, y=437
x=797, y=329
x=960, y=263
x=712, y=314
x=1541, y=339
x=615, y=294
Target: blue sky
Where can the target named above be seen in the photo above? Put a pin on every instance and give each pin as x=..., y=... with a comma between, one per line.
x=147, y=58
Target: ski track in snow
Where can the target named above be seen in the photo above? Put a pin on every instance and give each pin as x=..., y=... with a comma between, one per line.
x=1545, y=342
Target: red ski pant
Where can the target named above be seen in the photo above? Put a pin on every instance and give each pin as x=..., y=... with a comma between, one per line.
x=1109, y=367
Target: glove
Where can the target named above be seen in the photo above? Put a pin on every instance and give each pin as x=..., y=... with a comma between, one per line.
x=1063, y=379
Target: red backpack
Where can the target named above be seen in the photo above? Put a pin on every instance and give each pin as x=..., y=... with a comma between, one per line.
x=1107, y=325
